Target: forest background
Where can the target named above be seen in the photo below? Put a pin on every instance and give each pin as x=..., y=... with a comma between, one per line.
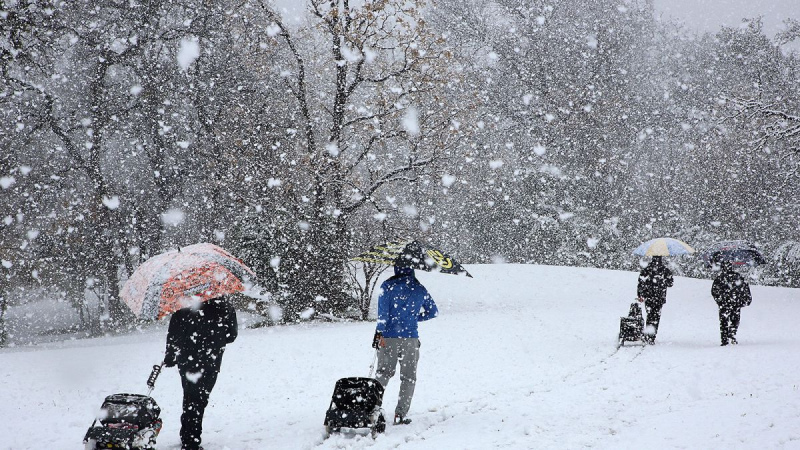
x=543, y=132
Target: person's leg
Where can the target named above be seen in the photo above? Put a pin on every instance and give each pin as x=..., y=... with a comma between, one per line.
x=197, y=387
x=409, y=357
x=723, y=324
x=387, y=361
x=190, y=418
x=653, y=319
x=735, y=318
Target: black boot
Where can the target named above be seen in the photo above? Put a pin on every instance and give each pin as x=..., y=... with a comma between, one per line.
x=401, y=420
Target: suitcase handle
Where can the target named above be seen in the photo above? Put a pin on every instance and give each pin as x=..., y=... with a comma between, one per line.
x=372, y=366
x=151, y=380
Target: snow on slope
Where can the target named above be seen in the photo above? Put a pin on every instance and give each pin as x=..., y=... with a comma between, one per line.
x=521, y=357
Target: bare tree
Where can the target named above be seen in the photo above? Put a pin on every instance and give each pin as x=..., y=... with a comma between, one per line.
x=368, y=84
x=773, y=122
x=363, y=279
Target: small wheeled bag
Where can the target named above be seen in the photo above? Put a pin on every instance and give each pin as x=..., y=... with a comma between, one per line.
x=631, y=328
x=356, y=403
x=127, y=421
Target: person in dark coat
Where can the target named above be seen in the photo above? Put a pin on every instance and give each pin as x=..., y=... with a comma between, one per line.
x=652, y=290
x=402, y=304
x=731, y=293
x=196, y=341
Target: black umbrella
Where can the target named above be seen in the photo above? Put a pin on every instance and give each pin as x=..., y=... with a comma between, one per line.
x=736, y=252
x=412, y=254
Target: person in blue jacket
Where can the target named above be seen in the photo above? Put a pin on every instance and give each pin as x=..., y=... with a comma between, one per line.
x=403, y=303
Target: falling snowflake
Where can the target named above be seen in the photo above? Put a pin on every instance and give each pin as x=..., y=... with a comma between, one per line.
x=6, y=182
x=411, y=121
x=188, y=53
x=307, y=313
x=112, y=202
x=273, y=30
x=172, y=217
x=410, y=211
x=332, y=149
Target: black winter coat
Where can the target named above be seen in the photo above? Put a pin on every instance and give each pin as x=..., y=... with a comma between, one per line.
x=653, y=283
x=729, y=289
x=197, y=337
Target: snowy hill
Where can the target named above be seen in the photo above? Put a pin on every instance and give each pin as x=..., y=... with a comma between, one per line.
x=520, y=357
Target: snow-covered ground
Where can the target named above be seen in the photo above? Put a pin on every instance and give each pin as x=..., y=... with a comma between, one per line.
x=520, y=357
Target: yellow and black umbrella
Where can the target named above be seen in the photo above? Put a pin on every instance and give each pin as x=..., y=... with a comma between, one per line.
x=412, y=254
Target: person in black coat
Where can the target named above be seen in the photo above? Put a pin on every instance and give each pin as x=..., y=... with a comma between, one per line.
x=195, y=343
x=652, y=290
x=731, y=293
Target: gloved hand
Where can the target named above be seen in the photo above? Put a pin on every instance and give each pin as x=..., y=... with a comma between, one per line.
x=169, y=360
x=377, y=340
x=640, y=299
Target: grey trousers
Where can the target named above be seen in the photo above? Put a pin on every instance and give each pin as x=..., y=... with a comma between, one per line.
x=405, y=351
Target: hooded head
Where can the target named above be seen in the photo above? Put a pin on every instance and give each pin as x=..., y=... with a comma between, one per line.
x=657, y=261
x=403, y=270
x=718, y=261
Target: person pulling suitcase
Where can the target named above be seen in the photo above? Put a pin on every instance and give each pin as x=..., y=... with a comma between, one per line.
x=402, y=304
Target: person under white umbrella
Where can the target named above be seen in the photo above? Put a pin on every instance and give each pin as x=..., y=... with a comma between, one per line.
x=656, y=278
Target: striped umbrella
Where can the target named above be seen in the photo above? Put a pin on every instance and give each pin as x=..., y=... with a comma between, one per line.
x=663, y=247
x=179, y=278
x=412, y=254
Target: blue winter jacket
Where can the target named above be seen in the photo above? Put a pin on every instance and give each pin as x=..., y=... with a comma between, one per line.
x=403, y=302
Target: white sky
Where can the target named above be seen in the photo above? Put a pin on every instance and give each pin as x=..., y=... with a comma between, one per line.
x=701, y=15
x=709, y=15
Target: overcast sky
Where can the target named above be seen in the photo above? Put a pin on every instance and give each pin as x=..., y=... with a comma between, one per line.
x=702, y=15
x=709, y=15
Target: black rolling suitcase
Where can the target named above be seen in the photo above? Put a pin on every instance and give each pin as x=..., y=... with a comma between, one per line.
x=127, y=421
x=356, y=404
x=631, y=328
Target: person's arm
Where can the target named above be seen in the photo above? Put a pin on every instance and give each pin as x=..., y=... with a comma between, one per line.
x=668, y=279
x=743, y=292
x=233, y=324
x=173, y=341
x=383, y=314
x=716, y=289
x=748, y=297
x=641, y=288
x=429, y=309
x=383, y=311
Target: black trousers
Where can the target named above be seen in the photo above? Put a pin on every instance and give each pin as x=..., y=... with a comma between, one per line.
x=729, y=318
x=653, y=316
x=197, y=380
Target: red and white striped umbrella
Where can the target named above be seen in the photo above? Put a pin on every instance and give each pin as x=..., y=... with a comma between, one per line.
x=179, y=278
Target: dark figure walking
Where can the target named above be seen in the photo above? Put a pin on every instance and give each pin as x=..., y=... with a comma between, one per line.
x=731, y=293
x=652, y=290
x=195, y=343
x=403, y=303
